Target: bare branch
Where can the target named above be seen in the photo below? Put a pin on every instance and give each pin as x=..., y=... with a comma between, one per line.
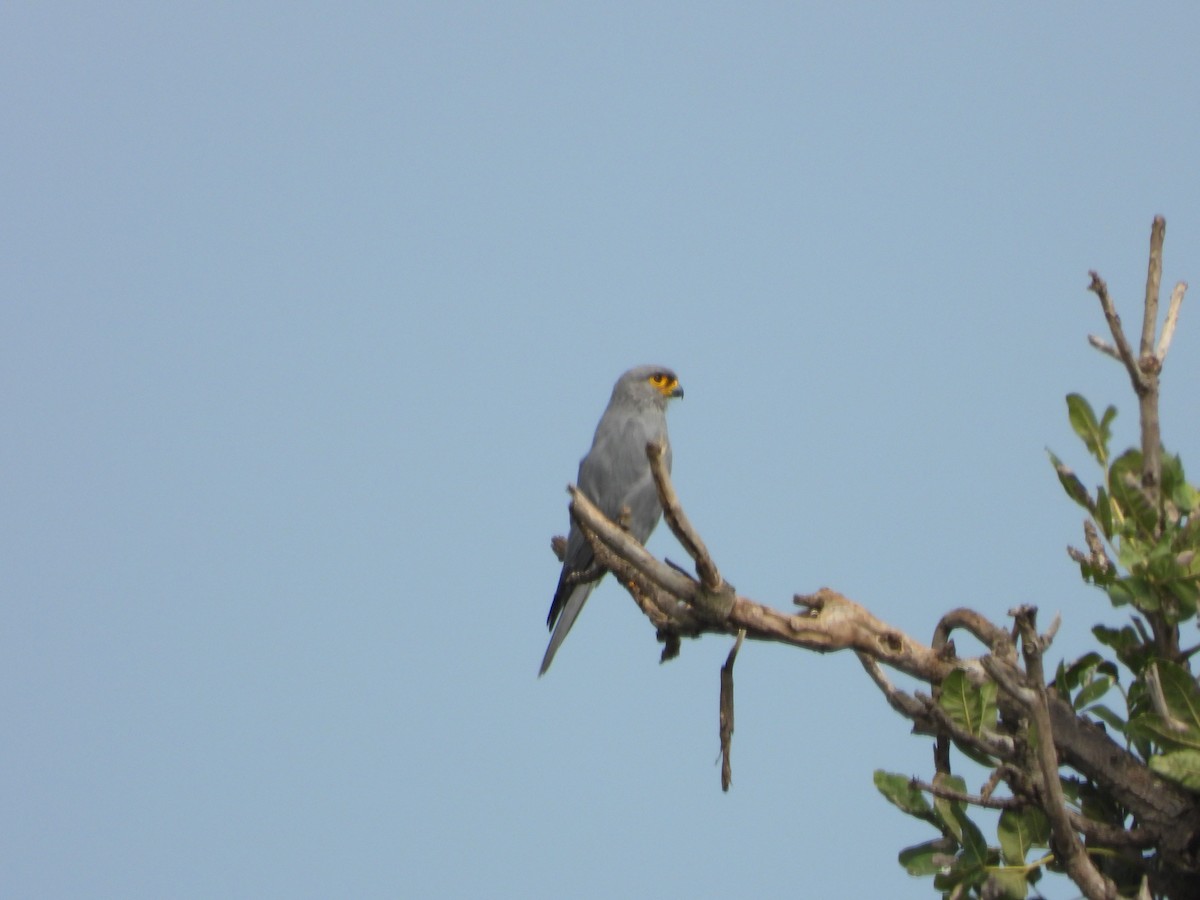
x=963, y=797
x=994, y=638
x=710, y=576
x=1104, y=346
x=1153, y=279
x=993, y=782
x=929, y=718
x=1047, y=637
x=988, y=743
x=1168, y=330
x=1009, y=680
x=1144, y=376
x=1124, y=351
x=1110, y=835
x=829, y=622
x=1099, y=557
x=627, y=547
x=1065, y=839
x=726, y=710
x=905, y=704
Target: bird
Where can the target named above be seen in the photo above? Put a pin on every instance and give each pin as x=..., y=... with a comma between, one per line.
x=615, y=475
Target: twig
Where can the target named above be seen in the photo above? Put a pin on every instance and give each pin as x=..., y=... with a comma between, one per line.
x=905, y=704
x=1110, y=835
x=833, y=622
x=1079, y=866
x=1008, y=680
x=929, y=718
x=1047, y=637
x=1099, y=557
x=1124, y=351
x=627, y=547
x=710, y=576
x=995, y=639
x=837, y=622
x=1104, y=346
x=1153, y=279
x=993, y=781
x=963, y=797
x=992, y=637
x=726, y=710
x=1144, y=376
x=1168, y=330
x=653, y=586
x=1000, y=746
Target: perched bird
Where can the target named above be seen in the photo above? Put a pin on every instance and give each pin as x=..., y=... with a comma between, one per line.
x=614, y=475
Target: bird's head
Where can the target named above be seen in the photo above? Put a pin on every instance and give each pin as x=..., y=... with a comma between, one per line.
x=654, y=383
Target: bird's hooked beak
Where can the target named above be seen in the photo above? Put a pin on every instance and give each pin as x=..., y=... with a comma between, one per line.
x=666, y=384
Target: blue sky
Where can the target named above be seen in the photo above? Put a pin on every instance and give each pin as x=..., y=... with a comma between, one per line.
x=311, y=309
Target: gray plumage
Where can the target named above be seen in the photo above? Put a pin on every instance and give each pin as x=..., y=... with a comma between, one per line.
x=615, y=474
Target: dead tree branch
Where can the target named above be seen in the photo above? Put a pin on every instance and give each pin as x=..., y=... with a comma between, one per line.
x=726, y=711
x=1029, y=734
x=679, y=605
x=1144, y=372
x=1168, y=330
x=1124, y=351
x=1065, y=840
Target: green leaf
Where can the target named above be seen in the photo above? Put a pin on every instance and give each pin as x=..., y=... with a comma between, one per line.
x=1174, y=484
x=1187, y=596
x=968, y=706
x=1182, y=766
x=1019, y=830
x=1060, y=681
x=1106, y=421
x=1130, y=649
x=1071, y=484
x=963, y=872
x=972, y=708
x=1122, y=640
x=954, y=815
x=1186, y=498
x=901, y=793
x=1011, y=884
x=1092, y=673
x=1083, y=420
x=1132, y=550
x=920, y=858
x=1081, y=670
x=1092, y=691
x=1133, y=589
x=1183, y=702
x=1106, y=715
x=1125, y=485
x=1118, y=593
x=1181, y=692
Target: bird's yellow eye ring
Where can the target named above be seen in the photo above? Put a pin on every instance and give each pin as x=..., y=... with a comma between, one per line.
x=666, y=384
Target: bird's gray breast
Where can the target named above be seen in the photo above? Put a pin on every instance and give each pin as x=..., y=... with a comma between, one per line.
x=616, y=473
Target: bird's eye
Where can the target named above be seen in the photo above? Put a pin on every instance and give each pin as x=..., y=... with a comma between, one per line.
x=658, y=380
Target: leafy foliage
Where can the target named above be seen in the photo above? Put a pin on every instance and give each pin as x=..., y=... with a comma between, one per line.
x=961, y=857
x=1144, y=555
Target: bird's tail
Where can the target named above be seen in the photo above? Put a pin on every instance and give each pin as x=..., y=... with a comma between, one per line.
x=566, y=619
